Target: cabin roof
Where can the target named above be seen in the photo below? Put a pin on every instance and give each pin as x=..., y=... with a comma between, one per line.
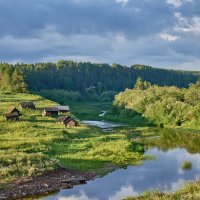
x=66, y=119
x=69, y=119
x=12, y=109
x=27, y=104
x=14, y=114
x=51, y=109
x=63, y=118
x=62, y=108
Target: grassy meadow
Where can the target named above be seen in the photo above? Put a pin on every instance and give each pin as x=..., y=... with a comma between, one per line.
x=36, y=144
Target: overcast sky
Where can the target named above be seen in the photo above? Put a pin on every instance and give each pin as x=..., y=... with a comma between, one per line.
x=161, y=33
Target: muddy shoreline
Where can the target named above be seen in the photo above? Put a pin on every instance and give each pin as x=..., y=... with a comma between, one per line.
x=49, y=182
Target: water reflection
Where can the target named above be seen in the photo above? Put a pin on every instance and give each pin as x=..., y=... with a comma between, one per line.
x=170, y=139
x=164, y=173
x=105, y=126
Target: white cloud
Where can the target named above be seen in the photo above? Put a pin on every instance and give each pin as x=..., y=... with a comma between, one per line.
x=184, y=24
x=177, y=3
x=124, y=2
x=168, y=37
x=123, y=193
x=82, y=196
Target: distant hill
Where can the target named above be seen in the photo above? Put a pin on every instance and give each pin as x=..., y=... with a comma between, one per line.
x=86, y=77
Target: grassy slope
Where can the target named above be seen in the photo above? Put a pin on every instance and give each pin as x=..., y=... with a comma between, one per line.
x=36, y=144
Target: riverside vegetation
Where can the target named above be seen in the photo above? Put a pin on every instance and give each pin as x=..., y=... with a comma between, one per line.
x=37, y=144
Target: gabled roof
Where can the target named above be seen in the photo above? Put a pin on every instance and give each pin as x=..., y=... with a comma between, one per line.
x=27, y=104
x=62, y=108
x=51, y=109
x=63, y=118
x=66, y=119
x=69, y=119
x=13, y=109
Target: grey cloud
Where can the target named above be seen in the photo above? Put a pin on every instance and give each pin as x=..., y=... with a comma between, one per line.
x=100, y=30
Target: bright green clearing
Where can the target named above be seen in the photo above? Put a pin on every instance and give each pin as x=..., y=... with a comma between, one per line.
x=36, y=144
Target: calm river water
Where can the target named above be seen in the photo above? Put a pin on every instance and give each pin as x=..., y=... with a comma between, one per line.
x=163, y=173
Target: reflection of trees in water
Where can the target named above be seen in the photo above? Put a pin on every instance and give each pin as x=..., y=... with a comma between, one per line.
x=170, y=138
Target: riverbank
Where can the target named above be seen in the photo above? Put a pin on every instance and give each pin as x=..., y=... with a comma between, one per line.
x=36, y=145
x=32, y=149
x=49, y=182
x=190, y=191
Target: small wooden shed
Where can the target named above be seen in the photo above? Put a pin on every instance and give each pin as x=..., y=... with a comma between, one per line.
x=50, y=111
x=27, y=105
x=67, y=121
x=14, y=116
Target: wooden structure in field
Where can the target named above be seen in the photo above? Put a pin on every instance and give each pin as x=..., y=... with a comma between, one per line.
x=12, y=115
x=27, y=105
x=67, y=121
x=62, y=109
x=50, y=111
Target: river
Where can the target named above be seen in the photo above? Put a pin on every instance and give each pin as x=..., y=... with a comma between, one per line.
x=163, y=173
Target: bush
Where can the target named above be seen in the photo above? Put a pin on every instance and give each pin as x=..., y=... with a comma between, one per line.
x=179, y=123
x=186, y=165
x=161, y=125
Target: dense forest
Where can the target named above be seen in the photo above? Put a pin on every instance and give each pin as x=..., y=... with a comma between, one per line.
x=86, y=77
x=166, y=105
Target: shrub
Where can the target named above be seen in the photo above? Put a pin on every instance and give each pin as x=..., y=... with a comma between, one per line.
x=186, y=165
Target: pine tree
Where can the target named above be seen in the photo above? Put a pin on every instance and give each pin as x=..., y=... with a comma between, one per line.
x=18, y=81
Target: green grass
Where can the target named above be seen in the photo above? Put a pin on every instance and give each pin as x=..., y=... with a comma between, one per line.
x=191, y=191
x=36, y=144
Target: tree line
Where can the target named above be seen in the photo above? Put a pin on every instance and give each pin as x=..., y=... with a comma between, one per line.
x=167, y=105
x=86, y=77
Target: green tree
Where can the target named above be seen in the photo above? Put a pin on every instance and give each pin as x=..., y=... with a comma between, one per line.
x=18, y=81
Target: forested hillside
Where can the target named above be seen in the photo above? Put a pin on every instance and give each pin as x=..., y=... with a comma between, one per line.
x=161, y=105
x=86, y=77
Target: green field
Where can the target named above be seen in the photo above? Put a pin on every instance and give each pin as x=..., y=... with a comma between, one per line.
x=36, y=144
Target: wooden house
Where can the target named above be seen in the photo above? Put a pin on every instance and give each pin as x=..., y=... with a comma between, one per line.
x=67, y=121
x=50, y=111
x=14, y=116
x=27, y=105
x=62, y=109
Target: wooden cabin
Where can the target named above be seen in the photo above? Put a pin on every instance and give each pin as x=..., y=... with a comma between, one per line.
x=27, y=105
x=14, y=116
x=62, y=109
x=71, y=122
x=67, y=121
x=50, y=111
